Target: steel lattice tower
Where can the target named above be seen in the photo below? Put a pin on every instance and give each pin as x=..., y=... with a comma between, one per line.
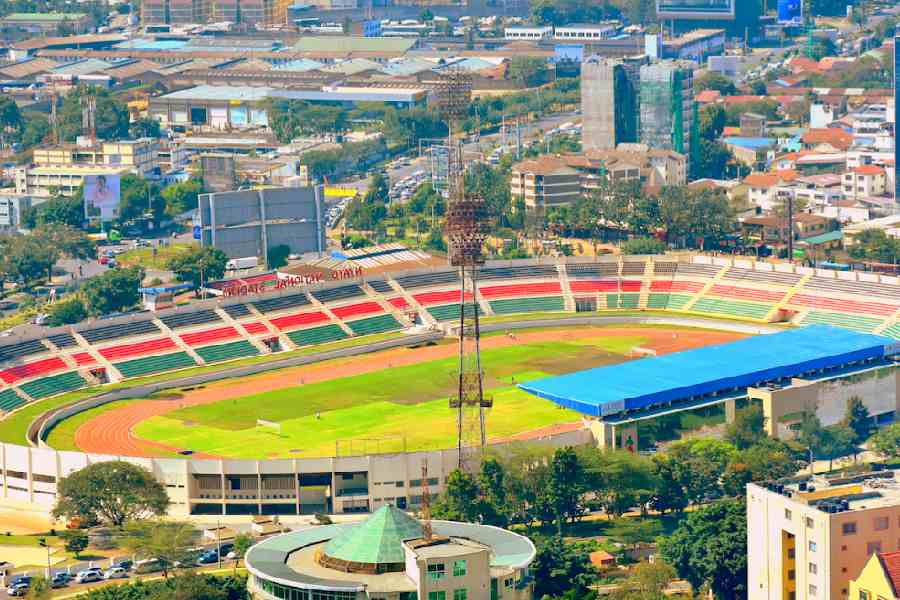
x=466, y=233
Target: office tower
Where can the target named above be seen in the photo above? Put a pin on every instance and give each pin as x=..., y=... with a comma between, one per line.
x=667, y=106
x=608, y=103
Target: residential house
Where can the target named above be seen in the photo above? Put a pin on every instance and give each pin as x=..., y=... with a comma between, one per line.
x=865, y=181
x=772, y=229
x=544, y=182
x=827, y=139
x=879, y=578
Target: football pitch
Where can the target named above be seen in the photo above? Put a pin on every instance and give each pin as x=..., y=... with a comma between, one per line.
x=390, y=410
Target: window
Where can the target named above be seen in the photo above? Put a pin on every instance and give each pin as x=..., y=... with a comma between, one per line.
x=812, y=547
x=873, y=548
x=813, y=569
x=849, y=528
x=813, y=590
x=792, y=575
x=809, y=522
x=881, y=523
x=460, y=568
x=437, y=595
x=864, y=595
x=460, y=594
x=436, y=572
x=792, y=553
x=787, y=514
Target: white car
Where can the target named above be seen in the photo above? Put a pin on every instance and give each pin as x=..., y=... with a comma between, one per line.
x=89, y=575
x=115, y=573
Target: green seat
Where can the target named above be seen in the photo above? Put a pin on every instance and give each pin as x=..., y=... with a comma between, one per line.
x=678, y=301
x=855, y=322
x=449, y=312
x=155, y=364
x=371, y=325
x=893, y=331
x=10, y=400
x=317, y=335
x=622, y=300
x=50, y=386
x=229, y=351
x=521, y=305
x=744, y=310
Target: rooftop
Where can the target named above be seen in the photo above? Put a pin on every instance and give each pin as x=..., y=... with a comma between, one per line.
x=348, y=44
x=377, y=539
x=50, y=17
x=865, y=491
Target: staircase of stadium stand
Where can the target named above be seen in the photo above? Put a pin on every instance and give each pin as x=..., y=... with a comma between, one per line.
x=263, y=349
x=64, y=356
x=484, y=305
x=179, y=342
x=386, y=306
x=793, y=291
x=601, y=298
x=112, y=373
x=708, y=286
x=286, y=342
x=427, y=318
x=22, y=394
x=568, y=298
x=649, y=271
x=331, y=316
x=890, y=322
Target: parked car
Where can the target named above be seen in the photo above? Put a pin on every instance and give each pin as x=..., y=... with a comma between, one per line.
x=208, y=557
x=115, y=573
x=89, y=575
x=18, y=589
x=60, y=579
x=124, y=563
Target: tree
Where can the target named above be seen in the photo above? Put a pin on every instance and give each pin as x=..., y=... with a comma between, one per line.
x=168, y=542
x=199, y=265
x=648, y=581
x=768, y=459
x=712, y=160
x=565, y=486
x=669, y=494
x=492, y=481
x=748, y=427
x=886, y=441
x=113, y=493
x=698, y=465
x=113, y=291
x=24, y=259
x=758, y=88
x=528, y=70
x=460, y=500
x=181, y=197
x=712, y=121
x=709, y=547
x=66, y=312
x=230, y=587
x=836, y=441
x=811, y=435
x=643, y=245
x=278, y=255
x=35, y=130
x=144, y=127
x=632, y=532
x=242, y=543
x=715, y=81
x=58, y=209
x=75, y=540
x=858, y=419
x=40, y=589
x=139, y=197
x=560, y=567
x=618, y=479
x=111, y=116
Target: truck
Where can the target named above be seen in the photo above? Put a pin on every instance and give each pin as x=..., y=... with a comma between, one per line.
x=248, y=262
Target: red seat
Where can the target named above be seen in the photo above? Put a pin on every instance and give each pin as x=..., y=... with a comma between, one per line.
x=137, y=349
x=254, y=328
x=198, y=338
x=445, y=297
x=675, y=286
x=84, y=358
x=295, y=320
x=587, y=286
x=355, y=310
x=41, y=367
x=839, y=305
x=739, y=293
x=399, y=302
x=522, y=289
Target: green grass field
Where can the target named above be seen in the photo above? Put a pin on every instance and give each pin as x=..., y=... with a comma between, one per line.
x=378, y=411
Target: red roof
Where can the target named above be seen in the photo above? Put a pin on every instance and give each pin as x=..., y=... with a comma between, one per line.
x=707, y=96
x=729, y=130
x=890, y=562
x=799, y=64
x=868, y=170
x=762, y=180
x=744, y=99
x=837, y=138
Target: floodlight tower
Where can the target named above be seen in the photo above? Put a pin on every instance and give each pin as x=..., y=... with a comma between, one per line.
x=466, y=233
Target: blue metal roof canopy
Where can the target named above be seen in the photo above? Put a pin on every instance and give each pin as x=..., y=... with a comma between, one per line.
x=681, y=375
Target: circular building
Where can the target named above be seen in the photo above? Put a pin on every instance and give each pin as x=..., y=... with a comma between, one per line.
x=391, y=556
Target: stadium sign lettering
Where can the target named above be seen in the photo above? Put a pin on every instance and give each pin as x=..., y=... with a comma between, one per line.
x=289, y=282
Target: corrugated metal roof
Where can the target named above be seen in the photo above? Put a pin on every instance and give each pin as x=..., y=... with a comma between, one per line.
x=28, y=67
x=348, y=44
x=352, y=66
x=299, y=65
x=83, y=67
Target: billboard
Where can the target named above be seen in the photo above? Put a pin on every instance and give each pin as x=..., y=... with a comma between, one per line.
x=101, y=197
x=790, y=13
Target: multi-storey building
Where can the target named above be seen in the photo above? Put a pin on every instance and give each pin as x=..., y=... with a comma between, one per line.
x=667, y=106
x=807, y=540
x=608, y=103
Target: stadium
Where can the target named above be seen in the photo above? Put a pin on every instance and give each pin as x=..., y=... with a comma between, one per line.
x=332, y=397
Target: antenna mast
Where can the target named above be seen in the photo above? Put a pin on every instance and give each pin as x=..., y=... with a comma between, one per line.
x=88, y=116
x=466, y=232
x=427, y=532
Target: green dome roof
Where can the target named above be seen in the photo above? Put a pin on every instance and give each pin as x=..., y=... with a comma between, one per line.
x=377, y=539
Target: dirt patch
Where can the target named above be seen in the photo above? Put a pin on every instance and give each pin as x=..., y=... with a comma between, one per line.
x=111, y=432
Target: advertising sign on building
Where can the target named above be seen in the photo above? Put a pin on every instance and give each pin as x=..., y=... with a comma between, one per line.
x=101, y=197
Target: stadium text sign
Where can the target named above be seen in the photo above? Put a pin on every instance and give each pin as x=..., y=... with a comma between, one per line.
x=291, y=281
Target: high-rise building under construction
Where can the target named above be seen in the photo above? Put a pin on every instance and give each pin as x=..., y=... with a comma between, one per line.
x=667, y=106
x=245, y=12
x=609, y=101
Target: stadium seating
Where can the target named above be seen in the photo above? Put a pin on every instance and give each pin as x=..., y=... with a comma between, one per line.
x=317, y=335
x=519, y=272
x=187, y=319
x=430, y=298
x=669, y=285
x=522, y=289
x=357, y=310
x=742, y=293
x=626, y=301
x=40, y=367
x=696, y=270
x=114, y=332
x=604, y=285
x=745, y=310
x=255, y=327
x=399, y=302
x=237, y=311
x=62, y=340
x=155, y=364
x=380, y=285
x=857, y=322
x=298, y=320
x=153, y=346
x=208, y=336
x=892, y=331
x=633, y=267
x=837, y=304
x=432, y=279
x=337, y=293
x=228, y=351
x=280, y=303
x=10, y=400
x=864, y=288
x=371, y=325
x=55, y=384
x=522, y=305
x=21, y=349
x=447, y=312
x=667, y=301
x=84, y=358
x=774, y=278
x=593, y=270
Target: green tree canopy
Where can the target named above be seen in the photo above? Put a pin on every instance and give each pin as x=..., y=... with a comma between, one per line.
x=858, y=419
x=560, y=568
x=886, y=441
x=748, y=427
x=114, y=492
x=114, y=291
x=181, y=197
x=199, y=265
x=111, y=115
x=168, y=542
x=643, y=245
x=715, y=81
x=66, y=312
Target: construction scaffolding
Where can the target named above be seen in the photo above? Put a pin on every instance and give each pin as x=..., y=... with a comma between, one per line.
x=667, y=106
